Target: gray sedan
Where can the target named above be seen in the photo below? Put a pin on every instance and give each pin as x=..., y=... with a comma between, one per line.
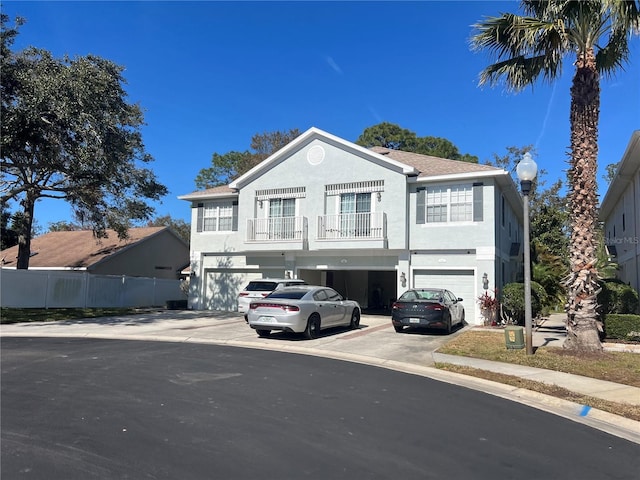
x=302, y=309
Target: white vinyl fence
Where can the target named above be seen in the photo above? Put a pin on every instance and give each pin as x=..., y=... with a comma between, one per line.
x=55, y=289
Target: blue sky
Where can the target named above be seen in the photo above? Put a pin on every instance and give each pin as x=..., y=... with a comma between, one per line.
x=210, y=75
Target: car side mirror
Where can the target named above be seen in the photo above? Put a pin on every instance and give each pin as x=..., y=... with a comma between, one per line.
x=459, y=299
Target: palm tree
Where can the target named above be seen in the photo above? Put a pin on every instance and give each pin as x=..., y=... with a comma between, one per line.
x=595, y=34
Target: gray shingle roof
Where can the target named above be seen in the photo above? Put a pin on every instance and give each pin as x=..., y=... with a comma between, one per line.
x=222, y=190
x=429, y=166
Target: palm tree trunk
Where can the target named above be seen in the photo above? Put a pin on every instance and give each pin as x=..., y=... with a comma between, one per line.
x=582, y=281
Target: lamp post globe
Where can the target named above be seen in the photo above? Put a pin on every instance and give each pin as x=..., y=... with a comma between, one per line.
x=526, y=171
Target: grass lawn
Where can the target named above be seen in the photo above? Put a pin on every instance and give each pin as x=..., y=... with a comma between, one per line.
x=16, y=315
x=619, y=367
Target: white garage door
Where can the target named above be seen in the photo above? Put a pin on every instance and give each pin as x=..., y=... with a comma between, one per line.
x=460, y=282
x=221, y=288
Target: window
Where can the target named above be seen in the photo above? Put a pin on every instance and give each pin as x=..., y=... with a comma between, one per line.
x=450, y=203
x=461, y=198
x=351, y=211
x=355, y=210
x=436, y=205
x=282, y=212
x=217, y=216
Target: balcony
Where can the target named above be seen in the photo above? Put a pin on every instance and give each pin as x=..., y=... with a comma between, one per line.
x=277, y=230
x=353, y=226
x=354, y=230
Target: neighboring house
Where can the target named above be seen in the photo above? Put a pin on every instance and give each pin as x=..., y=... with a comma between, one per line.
x=620, y=212
x=155, y=252
x=369, y=222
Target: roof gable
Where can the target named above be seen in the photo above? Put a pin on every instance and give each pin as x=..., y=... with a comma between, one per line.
x=316, y=134
x=77, y=249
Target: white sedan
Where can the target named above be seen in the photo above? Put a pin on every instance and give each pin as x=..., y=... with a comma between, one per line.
x=302, y=309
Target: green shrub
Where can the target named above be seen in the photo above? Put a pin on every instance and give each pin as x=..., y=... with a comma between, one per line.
x=513, y=300
x=622, y=327
x=617, y=297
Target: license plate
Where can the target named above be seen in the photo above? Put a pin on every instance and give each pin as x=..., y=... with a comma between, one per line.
x=414, y=320
x=267, y=319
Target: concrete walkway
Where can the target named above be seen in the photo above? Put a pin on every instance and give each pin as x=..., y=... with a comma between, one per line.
x=375, y=343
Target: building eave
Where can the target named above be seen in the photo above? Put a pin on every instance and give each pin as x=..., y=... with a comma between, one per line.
x=627, y=168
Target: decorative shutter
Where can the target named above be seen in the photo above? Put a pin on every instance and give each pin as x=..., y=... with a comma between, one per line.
x=477, y=202
x=200, y=217
x=420, y=206
x=234, y=226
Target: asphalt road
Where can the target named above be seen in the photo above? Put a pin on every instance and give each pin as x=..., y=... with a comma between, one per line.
x=108, y=409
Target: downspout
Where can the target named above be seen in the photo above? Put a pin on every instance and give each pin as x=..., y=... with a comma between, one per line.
x=407, y=241
x=636, y=210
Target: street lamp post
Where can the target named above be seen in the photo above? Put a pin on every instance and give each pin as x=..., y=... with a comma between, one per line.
x=526, y=171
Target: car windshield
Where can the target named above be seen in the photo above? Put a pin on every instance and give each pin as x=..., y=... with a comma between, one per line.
x=261, y=286
x=288, y=294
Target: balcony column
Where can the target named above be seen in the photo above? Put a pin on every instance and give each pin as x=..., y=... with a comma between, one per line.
x=289, y=265
x=404, y=273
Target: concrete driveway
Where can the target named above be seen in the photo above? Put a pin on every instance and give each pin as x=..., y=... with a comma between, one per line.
x=375, y=338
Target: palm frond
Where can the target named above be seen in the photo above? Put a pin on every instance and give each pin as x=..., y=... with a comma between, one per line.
x=625, y=15
x=524, y=48
x=519, y=72
x=614, y=55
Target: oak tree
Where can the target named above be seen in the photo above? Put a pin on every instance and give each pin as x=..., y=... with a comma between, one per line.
x=69, y=133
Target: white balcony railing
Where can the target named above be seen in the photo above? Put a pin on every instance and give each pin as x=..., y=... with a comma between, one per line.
x=370, y=225
x=277, y=229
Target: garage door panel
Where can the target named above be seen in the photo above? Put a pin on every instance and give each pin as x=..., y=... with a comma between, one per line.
x=223, y=286
x=460, y=282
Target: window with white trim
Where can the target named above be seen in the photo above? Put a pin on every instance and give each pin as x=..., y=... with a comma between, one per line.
x=217, y=216
x=450, y=203
x=282, y=221
x=355, y=214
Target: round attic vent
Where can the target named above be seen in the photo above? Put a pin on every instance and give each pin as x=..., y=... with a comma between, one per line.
x=315, y=155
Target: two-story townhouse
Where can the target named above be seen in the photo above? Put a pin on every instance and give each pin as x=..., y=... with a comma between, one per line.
x=620, y=212
x=369, y=222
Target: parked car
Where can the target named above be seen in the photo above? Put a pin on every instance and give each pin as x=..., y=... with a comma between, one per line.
x=257, y=289
x=427, y=308
x=302, y=309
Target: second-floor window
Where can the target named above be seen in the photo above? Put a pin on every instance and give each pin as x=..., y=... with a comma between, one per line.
x=217, y=216
x=282, y=221
x=355, y=218
x=449, y=203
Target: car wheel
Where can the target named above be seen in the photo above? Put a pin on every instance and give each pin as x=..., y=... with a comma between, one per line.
x=462, y=319
x=355, y=319
x=263, y=333
x=313, y=327
x=398, y=328
x=449, y=325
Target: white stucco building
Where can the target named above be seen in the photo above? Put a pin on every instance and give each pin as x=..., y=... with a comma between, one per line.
x=370, y=223
x=620, y=212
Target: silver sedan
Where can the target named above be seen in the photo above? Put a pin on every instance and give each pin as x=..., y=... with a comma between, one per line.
x=302, y=309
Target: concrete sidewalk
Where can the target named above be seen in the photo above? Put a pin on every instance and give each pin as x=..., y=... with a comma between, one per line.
x=375, y=343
